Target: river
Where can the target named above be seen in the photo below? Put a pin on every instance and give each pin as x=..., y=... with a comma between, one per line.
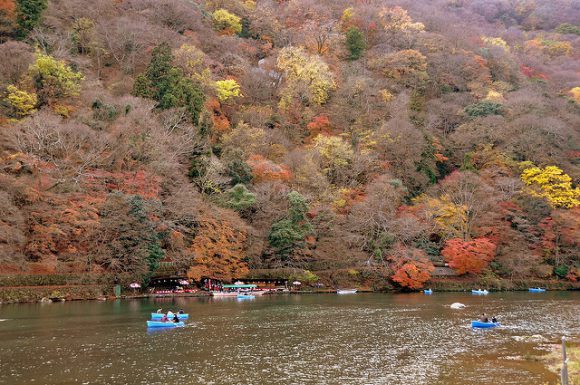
x=289, y=339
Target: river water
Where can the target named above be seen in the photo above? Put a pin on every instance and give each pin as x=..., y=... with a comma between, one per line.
x=289, y=339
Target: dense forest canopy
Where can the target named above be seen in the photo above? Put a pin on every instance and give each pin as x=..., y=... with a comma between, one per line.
x=374, y=138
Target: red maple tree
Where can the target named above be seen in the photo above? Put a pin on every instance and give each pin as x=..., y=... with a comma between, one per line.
x=469, y=256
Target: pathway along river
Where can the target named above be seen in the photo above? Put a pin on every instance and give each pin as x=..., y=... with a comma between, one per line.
x=290, y=339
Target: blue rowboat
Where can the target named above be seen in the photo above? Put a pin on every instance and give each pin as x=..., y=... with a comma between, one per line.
x=484, y=325
x=246, y=296
x=169, y=324
x=156, y=316
x=428, y=291
x=536, y=290
x=480, y=292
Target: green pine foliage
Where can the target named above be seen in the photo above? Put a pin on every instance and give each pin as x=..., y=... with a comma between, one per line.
x=167, y=84
x=484, y=108
x=355, y=42
x=28, y=15
x=289, y=233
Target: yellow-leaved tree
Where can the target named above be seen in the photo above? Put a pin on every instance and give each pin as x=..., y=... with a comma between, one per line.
x=227, y=89
x=53, y=78
x=226, y=22
x=336, y=154
x=451, y=218
x=553, y=184
x=307, y=76
x=21, y=102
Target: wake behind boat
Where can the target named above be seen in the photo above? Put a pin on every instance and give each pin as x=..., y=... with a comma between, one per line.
x=167, y=324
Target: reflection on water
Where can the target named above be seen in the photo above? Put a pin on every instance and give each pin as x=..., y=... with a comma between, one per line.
x=310, y=339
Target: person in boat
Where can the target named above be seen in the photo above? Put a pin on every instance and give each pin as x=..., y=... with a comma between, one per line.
x=175, y=318
x=181, y=311
x=494, y=319
x=159, y=311
x=483, y=318
x=169, y=314
x=164, y=318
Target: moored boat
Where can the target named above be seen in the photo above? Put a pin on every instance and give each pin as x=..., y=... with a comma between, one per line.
x=346, y=291
x=168, y=324
x=156, y=316
x=428, y=291
x=224, y=293
x=246, y=296
x=536, y=290
x=479, y=292
x=484, y=325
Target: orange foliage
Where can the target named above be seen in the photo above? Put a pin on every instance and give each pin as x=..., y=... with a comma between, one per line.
x=319, y=125
x=412, y=267
x=414, y=274
x=61, y=229
x=140, y=183
x=265, y=170
x=7, y=7
x=469, y=256
x=218, y=250
x=221, y=123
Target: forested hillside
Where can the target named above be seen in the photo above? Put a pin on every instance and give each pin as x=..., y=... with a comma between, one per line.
x=368, y=140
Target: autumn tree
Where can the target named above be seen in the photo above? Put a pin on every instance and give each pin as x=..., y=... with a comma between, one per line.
x=412, y=268
x=469, y=256
x=307, y=76
x=226, y=22
x=408, y=67
x=227, y=90
x=53, y=78
x=21, y=102
x=553, y=184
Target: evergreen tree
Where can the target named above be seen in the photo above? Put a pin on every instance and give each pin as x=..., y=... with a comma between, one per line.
x=167, y=85
x=355, y=43
x=28, y=14
x=289, y=233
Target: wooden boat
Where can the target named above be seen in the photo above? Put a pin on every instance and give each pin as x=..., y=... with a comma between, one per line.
x=479, y=292
x=484, y=325
x=346, y=291
x=168, y=324
x=536, y=290
x=156, y=316
x=428, y=291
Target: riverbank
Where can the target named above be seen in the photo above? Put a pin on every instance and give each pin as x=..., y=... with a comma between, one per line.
x=553, y=360
x=36, y=288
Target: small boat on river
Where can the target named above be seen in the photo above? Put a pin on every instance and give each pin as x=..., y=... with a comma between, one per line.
x=156, y=316
x=536, y=290
x=428, y=291
x=246, y=296
x=346, y=291
x=168, y=324
x=479, y=292
x=484, y=325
